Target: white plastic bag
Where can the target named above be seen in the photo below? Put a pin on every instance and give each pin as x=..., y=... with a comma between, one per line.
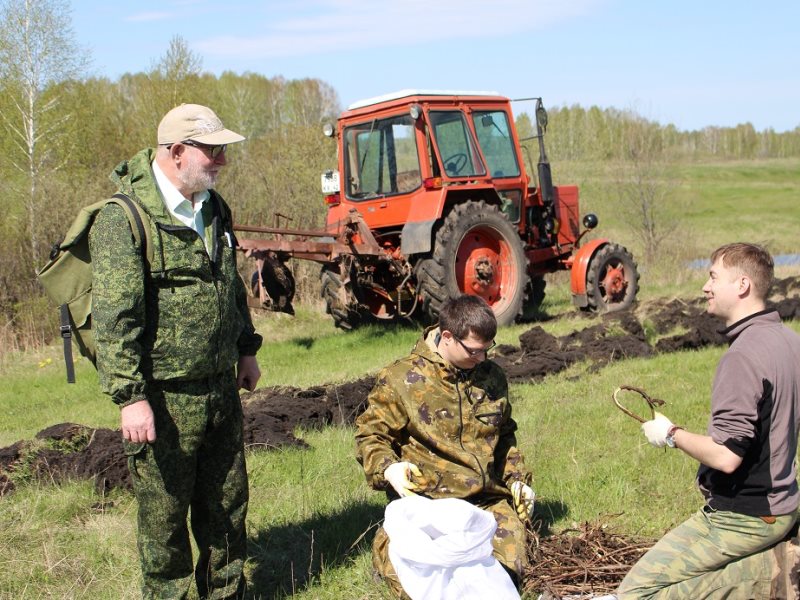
x=442, y=550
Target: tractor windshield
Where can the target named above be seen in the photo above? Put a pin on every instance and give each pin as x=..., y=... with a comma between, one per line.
x=381, y=158
x=456, y=146
x=495, y=139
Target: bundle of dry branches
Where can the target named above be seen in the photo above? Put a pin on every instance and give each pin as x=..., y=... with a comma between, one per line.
x=587, y=560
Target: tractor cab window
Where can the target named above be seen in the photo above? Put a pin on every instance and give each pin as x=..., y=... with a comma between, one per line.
x=494, y=136
x=381, y=158
x=456, y=145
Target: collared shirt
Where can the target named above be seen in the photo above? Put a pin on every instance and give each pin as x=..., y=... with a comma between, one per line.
x=181, y=208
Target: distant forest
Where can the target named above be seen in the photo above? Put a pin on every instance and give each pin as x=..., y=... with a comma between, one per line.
x=63, y=133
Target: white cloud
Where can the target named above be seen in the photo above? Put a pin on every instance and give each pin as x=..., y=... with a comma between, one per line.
x=356, y=24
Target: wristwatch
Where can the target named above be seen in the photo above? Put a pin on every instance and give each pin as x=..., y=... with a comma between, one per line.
x=670, y=439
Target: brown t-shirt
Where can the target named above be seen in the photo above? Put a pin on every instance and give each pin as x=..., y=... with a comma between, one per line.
x=755, y=413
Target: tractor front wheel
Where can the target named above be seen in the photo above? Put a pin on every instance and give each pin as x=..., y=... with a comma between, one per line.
x=611, y=279
x=335, y=295
x=477, y=251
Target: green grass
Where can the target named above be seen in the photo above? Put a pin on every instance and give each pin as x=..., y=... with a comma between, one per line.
x=311, y=513
x=714, y=203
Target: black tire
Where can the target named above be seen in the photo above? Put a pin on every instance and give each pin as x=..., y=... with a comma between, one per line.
x=612, y=279
x=477, y=251
x=534, y=296
x=343, y=316
x=279, y=283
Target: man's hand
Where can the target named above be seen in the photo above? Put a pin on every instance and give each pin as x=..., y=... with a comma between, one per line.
x=399, y=477
x=656, y=430
x=523, y=497
x=138, y=424
x=247, y=373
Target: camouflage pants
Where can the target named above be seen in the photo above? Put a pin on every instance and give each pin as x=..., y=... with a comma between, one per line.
x=713, y=554
x=196, y=464
x=509, y=543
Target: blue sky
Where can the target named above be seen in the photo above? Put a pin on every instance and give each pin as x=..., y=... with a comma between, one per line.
x=692, y=63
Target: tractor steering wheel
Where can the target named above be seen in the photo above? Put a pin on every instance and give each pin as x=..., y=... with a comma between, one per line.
x=454, y=163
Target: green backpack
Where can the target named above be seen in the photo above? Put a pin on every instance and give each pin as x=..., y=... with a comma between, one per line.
x=67, y=277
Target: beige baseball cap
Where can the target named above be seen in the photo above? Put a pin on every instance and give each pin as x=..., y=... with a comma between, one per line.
x=194, y=122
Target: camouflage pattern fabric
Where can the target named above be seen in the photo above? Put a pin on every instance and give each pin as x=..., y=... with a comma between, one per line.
x=786, y=567
x=197, y=462
x=172, y=334
x=185, y=320
x=456, y=426
x=700, y=559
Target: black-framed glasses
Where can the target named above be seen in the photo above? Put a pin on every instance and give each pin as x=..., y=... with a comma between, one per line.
x=213, y=151
x=475, y=351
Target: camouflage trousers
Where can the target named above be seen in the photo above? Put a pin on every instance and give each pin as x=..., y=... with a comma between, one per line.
x=509, y=543
x=713, y=554
x=195, y=465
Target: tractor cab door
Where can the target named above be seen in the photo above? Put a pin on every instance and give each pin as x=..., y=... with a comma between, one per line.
x=459, y=155
x=381, y=159
x=497, y=145
x=463, y=153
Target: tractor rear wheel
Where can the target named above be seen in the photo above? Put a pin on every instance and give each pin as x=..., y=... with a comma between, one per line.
x=477, y=251
x=611, y=279
x=534, y=296
x=335, y=294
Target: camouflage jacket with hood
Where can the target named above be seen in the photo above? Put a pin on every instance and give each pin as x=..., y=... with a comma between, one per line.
x=183, y=318
x=455, y=425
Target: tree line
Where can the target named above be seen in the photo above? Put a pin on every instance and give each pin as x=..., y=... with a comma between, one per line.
x=64, y=132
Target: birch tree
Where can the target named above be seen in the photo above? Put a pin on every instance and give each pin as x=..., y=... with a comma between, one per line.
x=37, y=52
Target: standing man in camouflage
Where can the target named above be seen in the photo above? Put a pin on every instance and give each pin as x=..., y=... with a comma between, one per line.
x=439, y=424
x=747, y=468
x=174, y=344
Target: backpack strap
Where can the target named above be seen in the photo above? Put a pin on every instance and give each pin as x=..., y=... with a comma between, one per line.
x=136, y=217
x=66, y=336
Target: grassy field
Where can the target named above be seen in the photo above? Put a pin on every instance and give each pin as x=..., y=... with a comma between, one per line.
x=311, y=514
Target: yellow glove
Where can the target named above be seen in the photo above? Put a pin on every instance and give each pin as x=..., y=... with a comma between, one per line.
x=523, y=497
x=399, y=477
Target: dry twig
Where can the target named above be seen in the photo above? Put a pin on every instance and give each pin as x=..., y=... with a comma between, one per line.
x=587, y=560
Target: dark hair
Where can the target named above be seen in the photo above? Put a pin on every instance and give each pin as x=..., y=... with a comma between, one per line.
x=467, y=314
x=751, y=260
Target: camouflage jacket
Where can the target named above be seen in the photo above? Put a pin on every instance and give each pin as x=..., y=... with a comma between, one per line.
x=184, y=318
x=455, y=425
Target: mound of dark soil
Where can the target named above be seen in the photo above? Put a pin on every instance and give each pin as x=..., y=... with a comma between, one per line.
x=271, y=415
x=619, y=336
x=71, y=451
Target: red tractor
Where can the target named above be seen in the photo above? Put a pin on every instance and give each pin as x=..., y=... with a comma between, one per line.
x=431, y=199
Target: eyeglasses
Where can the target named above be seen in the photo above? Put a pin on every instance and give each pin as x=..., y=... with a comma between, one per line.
x=475, y=351
x=213, y=151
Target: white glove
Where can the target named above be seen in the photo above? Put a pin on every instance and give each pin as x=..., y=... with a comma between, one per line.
x=399, y=477
x=523, y=497
x=656, y=430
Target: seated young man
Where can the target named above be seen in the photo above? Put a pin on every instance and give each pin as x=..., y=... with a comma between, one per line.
x=747, y=470
x=439, y=424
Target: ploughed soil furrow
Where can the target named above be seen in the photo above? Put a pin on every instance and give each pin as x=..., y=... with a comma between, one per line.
x=271, y=415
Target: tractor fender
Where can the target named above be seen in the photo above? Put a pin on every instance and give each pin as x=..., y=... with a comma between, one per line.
x=418, y=230
x=580, y=265
x=416, y=237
